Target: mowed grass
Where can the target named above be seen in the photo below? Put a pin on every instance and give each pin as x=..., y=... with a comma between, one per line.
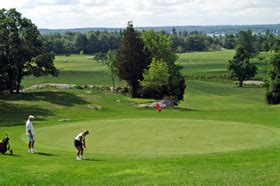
x=75, y=69
x=80, y=70
x=219, y=135
x=213, y=65
x=154, y=136
x=257, y=163
x=205, y=63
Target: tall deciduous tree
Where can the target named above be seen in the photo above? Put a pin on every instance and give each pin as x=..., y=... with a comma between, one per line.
x=132, y=59
x=22, y=49
x=273, y=92
x=240, y=66
x=159, y=45
x=111, y=62
x=156, y=77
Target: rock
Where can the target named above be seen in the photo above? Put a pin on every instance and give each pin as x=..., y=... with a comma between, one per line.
x=61, y=86
x=63, y=120
x=162, y=103
x=99, y=108
x=167, y=103
x=49, y=85
x=251, y=82
x=142, y=106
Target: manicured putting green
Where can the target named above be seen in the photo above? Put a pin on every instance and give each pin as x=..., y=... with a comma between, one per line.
x=159, y=136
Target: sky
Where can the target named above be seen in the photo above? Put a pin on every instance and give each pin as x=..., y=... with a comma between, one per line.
x=58, y=14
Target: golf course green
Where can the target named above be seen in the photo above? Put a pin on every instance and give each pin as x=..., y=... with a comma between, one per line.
x=160, y=136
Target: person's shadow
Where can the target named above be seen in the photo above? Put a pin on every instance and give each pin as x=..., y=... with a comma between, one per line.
x=91, y=159
x=45, y=154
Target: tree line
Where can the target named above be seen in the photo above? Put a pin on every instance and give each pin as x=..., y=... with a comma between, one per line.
x=183, y=41
x=211, y=29
x=197, y=41
x=88, y=43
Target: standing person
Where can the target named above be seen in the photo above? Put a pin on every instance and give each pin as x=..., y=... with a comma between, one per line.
x=30, y=134
x=80, y=144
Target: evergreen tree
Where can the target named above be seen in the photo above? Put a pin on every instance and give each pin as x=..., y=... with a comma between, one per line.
x=247, y=40
x=240, y=66
x=273, y=92
x=132, y=59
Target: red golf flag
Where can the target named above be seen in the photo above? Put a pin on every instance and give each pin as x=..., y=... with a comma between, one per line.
x=158, y=107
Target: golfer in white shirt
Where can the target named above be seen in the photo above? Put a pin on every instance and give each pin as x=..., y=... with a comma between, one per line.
x=30, y=134
x=80, y=144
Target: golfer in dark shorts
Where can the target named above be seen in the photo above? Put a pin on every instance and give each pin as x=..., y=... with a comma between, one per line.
x=80, y=144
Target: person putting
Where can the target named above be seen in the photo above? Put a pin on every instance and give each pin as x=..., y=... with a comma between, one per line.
x=80, y=144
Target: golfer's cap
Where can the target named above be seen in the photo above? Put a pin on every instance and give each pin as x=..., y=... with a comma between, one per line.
x=31, y=117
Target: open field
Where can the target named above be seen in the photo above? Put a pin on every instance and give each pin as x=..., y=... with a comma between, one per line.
x=209, y=65
x=77, y=70
x=198, y=65
x=219, y=135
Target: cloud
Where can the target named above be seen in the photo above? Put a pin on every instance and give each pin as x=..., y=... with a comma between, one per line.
x=116, y=13
x=53, y=2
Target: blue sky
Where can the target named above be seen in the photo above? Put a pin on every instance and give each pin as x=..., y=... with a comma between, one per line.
x=116, y=13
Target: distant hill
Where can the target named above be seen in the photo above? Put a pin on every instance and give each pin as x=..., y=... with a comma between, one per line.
x=211, y=30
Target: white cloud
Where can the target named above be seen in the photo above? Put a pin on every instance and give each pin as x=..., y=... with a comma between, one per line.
x=116, y=13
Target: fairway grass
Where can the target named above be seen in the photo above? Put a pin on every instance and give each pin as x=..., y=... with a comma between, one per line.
x=159, y=136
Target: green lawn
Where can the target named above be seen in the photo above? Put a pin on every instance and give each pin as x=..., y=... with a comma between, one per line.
x=155, y=136
x=77, y=70
x=219, y=135
x=213, y=65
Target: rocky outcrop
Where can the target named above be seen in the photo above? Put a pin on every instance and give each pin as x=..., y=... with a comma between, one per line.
x=162, y=103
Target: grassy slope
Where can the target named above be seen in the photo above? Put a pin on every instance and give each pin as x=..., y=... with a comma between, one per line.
x=80, y=70
x=53, y=166
x=77, y=70
x=213, y=64
x=204, y=100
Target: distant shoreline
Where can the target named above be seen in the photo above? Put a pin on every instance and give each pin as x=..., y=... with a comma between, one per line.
x=207, y=29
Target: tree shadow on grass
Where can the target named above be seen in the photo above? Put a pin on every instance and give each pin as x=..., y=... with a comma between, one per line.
x=181, y=109
x=59, y=98
x=16, y=114
x=13, y=112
